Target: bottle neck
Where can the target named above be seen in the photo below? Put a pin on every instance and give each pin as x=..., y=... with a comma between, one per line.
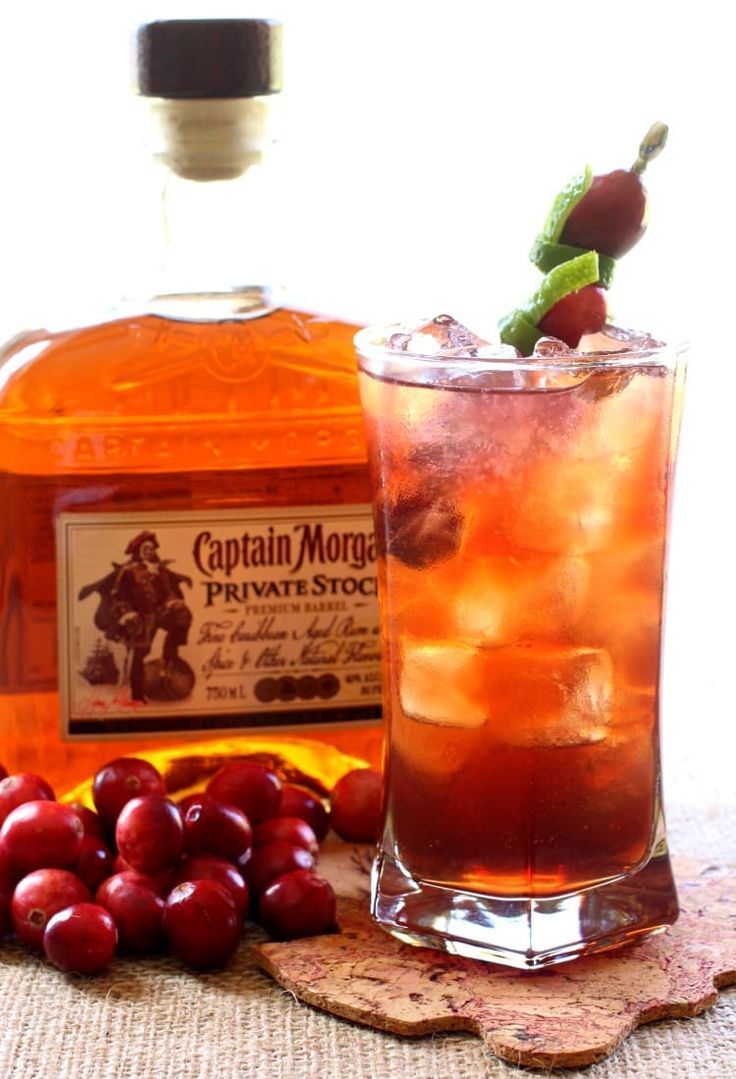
x=217, y=254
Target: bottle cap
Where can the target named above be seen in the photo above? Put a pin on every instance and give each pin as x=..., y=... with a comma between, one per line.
x=208, y=58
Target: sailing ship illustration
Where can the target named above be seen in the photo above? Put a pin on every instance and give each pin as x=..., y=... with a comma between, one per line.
x=101, y=668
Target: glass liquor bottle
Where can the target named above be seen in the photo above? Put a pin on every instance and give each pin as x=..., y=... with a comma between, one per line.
x=187, y=568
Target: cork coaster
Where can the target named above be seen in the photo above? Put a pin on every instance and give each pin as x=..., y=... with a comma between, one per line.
x=566, y=1016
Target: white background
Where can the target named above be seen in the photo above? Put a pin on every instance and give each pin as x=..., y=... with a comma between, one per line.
x=422, y=145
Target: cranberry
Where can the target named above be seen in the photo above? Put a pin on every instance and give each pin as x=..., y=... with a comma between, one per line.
x=136, y=910
x=273, y=860
x=299, y=904
x=216, y=828
x=576, y=314
x=94, y=862
x=8, y=873
x=42, y=835
x=160, y=883
x=241, y=864
x=149, y=834
x=207, y=867
x=423, y=527
x=188, y=800
x=119, y=781
x=38, y=897
x=20, y=788
x=90, y=821
x=202, y=922
x=8, y=878
x=3, y=771
x=298, y=802
x=81, y=939
x=610, y=217
x=5, y=922
x=356, y=805
x=253, y=788
x=119, y=865
x=289, y=829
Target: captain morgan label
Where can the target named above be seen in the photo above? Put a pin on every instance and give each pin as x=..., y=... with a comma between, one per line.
x=226, y=620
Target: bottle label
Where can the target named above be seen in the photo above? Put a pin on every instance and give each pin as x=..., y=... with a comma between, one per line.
x=227, y=620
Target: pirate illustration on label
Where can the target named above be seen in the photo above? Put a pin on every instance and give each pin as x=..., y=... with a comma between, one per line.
x=137, y=599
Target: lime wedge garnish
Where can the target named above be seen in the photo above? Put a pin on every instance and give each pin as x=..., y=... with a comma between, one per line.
x=516, y=330
x=520, y=327
x=567, y=277
x=562, y=207
x=546, y=255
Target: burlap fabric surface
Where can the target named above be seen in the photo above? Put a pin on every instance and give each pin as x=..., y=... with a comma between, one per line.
x=152, y=1019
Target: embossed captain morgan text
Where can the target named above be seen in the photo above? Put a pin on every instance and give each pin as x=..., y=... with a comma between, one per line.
x=186, y=621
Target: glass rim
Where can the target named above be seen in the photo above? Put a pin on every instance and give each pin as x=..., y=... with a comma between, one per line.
x=369, y=347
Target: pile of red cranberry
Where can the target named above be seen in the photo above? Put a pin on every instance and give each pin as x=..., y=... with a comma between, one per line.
x=144, y=873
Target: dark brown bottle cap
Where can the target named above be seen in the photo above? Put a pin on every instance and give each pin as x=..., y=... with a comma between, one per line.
x=216, y=58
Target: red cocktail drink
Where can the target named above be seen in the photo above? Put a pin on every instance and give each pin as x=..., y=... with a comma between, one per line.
x=521, y=509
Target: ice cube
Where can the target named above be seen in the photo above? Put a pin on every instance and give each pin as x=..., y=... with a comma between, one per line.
x=422, y=527
x=553, y=597
x=629, y=624
x=617, y=339
x=610, y=381
x=502, y=600
x=498, y=351
x=636, y=562
x=550, y=348
x=442, y=336
x=484, y=605
x=418, y=601
x=548, y=697
x=399, y=342
x=629, y=407
x=625, y=610
x=436, y=684
x=556, y=374
x=530, y=697
x=565, y=505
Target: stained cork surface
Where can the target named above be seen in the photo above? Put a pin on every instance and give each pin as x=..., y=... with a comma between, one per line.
x=564, y=1017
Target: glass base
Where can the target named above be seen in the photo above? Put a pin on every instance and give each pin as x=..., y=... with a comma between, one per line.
x=525, y=933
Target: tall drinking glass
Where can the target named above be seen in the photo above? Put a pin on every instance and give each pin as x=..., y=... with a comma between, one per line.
x=521, y=512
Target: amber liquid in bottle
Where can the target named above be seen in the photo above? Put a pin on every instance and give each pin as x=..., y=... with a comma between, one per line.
x=173, y=414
